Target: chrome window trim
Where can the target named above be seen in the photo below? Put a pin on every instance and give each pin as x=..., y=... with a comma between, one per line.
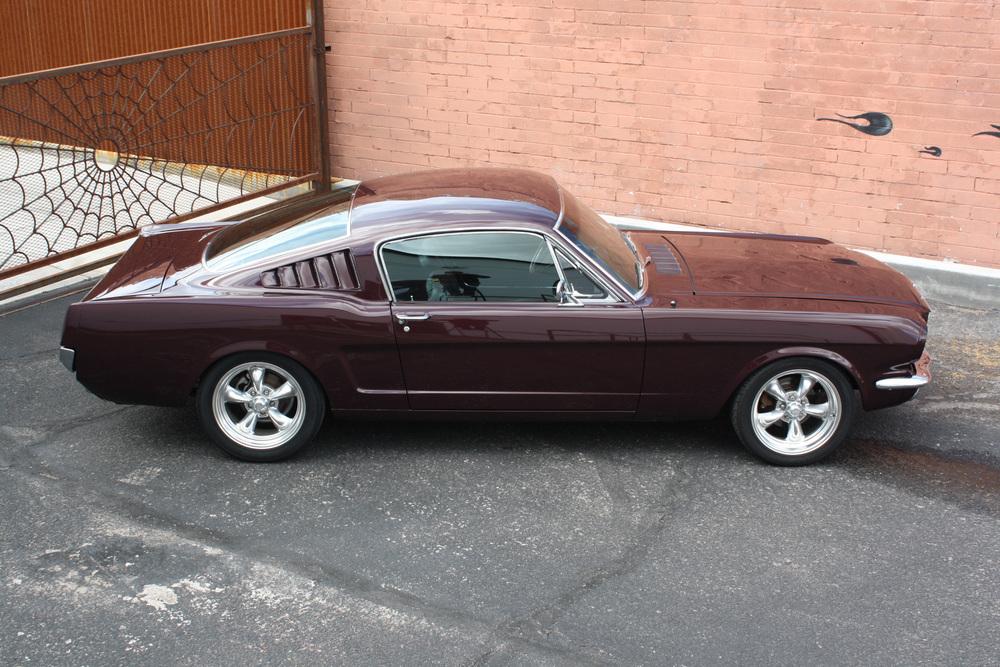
x=562, y=205
x=609, y=296
x=550, y=242
x=633, y=295
x=338, y=240
x=335, y=243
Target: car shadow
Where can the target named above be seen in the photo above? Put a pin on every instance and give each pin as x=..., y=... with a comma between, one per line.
x=962, y=479
x=969, y=480
x=340, y=435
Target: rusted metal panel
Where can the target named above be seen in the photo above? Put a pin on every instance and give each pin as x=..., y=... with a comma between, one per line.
x=45, y=34
x=180, y=93
x=240, y=104
x=90, y=152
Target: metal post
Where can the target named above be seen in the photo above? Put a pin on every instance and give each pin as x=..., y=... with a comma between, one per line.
x=317, y=71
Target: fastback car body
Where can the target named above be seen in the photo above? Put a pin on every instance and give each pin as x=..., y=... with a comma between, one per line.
x=493, y=292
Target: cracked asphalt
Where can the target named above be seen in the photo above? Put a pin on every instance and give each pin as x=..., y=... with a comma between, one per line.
x=127, y=538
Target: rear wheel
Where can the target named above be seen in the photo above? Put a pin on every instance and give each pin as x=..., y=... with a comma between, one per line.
x=794, y=411
x=260, y=407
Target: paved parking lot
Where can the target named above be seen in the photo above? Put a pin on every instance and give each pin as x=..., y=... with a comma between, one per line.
x=125, y=537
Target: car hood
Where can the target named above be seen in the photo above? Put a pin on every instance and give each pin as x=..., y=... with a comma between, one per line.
x=769, y=265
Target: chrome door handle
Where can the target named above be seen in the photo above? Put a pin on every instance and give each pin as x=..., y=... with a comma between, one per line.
x=412, y=318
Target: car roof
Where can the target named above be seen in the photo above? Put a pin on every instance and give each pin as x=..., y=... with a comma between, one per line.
x=455, y=197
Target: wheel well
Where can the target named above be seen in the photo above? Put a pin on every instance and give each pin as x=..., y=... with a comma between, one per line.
x=263, y=354
x=838, y=364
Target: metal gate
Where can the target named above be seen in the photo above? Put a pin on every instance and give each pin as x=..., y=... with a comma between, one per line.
x=90, y=153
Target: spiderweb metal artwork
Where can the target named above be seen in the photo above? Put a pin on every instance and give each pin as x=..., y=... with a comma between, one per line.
x=90, y=154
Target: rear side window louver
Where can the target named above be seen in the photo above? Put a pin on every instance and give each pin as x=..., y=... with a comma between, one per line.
x=333, y=271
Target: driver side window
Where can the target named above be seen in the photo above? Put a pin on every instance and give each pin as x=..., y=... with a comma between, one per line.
x=472, y=266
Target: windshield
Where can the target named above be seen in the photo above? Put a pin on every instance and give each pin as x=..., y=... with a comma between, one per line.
x=250, y=242
x=602, y=242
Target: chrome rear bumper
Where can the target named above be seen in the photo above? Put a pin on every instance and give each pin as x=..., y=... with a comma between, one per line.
x=68, y=358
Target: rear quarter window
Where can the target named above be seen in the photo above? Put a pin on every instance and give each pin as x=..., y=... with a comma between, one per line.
x=250, y=242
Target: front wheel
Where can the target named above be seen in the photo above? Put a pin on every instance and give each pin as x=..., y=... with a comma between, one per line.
x=794, y=411
x=260, y=407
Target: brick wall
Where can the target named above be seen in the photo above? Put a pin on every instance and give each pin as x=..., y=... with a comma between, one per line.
x=699, y=111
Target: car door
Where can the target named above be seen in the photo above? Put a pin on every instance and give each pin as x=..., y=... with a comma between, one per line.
x=478, y=327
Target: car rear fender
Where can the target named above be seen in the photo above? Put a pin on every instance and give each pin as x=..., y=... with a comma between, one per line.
x=220, y=355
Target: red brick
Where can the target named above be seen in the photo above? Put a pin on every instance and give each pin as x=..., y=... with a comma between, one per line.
x=697, y=112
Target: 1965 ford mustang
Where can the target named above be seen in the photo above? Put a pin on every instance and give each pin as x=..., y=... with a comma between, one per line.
x=494, y=292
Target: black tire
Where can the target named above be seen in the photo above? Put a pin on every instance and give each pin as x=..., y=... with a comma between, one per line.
x=751, y=402
x=218, y=416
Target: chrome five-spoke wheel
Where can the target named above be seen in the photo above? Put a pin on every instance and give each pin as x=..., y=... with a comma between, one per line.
x=794, y=411
x=260, y=406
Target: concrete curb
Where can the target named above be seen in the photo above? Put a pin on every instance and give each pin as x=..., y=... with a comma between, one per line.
x=75, y=285
x=954, y=287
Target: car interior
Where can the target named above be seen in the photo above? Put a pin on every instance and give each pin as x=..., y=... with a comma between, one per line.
x=480, y=266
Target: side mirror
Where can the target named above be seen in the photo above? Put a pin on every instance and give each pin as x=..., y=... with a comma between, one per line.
x=566, y=294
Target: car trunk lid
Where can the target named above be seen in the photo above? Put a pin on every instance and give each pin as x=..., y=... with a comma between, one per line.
x=158, y=251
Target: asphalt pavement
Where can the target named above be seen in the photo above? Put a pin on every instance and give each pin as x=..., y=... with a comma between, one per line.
x=127, y=538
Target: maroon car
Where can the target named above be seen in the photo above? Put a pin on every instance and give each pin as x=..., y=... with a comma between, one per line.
x=495, y=292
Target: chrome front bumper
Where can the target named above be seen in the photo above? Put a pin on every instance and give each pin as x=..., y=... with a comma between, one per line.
x=912, y=382
x=68, y=358
x=920, y=378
